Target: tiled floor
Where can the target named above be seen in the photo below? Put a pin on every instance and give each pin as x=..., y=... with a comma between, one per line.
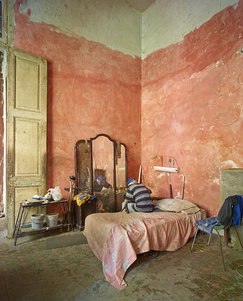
x=30, y=272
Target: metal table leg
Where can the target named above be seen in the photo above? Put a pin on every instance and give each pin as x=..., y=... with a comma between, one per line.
x=67, y=216
x=194, y=239
x=18, y=224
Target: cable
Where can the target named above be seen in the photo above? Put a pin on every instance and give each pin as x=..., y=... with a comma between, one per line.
x=238, y=271
x=201, y=247
x=205, y=247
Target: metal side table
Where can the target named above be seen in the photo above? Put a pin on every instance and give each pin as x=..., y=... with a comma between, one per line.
x=18, y=224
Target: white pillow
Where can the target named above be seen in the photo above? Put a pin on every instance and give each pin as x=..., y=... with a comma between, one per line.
x=174, y=205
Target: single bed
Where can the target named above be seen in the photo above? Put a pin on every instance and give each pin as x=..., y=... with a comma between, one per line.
x=117, y=238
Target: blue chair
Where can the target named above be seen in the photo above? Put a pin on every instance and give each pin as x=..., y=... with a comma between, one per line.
x=212, y=223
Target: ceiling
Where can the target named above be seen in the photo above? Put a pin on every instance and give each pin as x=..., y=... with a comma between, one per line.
x=140, y=5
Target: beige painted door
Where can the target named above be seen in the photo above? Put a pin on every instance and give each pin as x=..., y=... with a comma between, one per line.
x=26, y=131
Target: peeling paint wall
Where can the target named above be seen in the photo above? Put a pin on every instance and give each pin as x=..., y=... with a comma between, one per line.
x=190, y=103
x=168, y=21
x=111, y=23
x=192, y=99
x=94, y=72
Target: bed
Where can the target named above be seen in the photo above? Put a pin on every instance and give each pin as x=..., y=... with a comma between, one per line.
x=117, y=238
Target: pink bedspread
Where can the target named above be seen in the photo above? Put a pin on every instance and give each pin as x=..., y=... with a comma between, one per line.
x=117, y=238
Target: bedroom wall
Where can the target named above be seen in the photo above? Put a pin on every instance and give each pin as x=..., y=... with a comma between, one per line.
x=192, y=81
x=94, y=71
x=191, y=85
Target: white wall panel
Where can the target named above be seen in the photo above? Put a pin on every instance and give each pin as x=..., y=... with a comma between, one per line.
x=168, y=21
x=110, y=22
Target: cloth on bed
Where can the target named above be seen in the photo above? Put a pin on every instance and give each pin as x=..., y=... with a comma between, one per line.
x=117, y=238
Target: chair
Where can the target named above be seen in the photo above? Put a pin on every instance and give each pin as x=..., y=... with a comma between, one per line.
x=217, y=227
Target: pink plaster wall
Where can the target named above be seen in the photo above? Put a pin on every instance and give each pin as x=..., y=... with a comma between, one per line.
x=92, y=89
x=191, y=102
x=192, y=109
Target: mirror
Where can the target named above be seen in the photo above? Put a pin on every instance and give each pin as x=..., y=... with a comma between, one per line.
x=82, y=151
x=121, y=174
x=103, y=172
x=103, y=158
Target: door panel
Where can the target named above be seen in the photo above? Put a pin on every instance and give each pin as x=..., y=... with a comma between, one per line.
x=20, y=194
x=26, y=130
x=27, y=147
x=27, y=97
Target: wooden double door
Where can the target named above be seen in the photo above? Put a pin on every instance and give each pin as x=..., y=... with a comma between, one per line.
x=26, y=134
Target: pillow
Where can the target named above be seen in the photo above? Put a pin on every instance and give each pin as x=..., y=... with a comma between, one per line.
x=191, y=210
x=174, y=205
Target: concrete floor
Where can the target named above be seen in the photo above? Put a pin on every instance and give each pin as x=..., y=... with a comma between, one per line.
x=29, y=272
